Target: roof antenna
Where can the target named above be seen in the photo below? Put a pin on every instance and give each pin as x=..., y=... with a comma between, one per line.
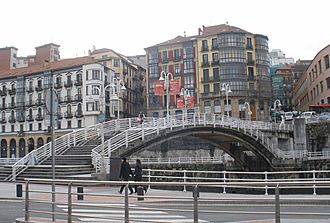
x=184, y=33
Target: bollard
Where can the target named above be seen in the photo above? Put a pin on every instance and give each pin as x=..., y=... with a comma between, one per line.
x=140, y=193
x=19, y=190
x=277, y=205
x=80, y=193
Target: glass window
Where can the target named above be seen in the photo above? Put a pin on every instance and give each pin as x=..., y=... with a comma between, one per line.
x=204, y=45
x=177, y=68
x=39, y=126
x=206, y=76
x=188, y=52
x=79, y=124
x=216, y=76
x=206, y=89
x=328, y=82
x=116, y=63
x=215, y=57
x=176, y=54
x=164, y=56
x=96, y=75
x=205, y=58
x=69, y=124
x=250, y=73
x=249, y=43
x=320, y=66
x=216, y=87
x=188, y=66
x=214, y=43
x=326, y=61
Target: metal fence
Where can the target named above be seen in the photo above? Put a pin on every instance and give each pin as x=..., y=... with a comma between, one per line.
x=127, y=205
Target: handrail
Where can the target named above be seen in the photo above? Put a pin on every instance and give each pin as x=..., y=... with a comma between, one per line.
x=155, y=126
x=62, y=143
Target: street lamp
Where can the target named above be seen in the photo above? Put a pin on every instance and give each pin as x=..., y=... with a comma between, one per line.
x=165, y=77
x=185, y=93
x=120, y=85
x=249, y=109
x=277, y=102
x=227, y=90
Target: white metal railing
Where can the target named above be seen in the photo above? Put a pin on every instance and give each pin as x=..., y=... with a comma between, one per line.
x=183, y=160
x=70, y=139
x=155, y=126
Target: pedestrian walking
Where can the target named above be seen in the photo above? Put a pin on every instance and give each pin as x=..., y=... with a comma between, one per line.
x=125, y=172
x=140, y=118
x=138, y=174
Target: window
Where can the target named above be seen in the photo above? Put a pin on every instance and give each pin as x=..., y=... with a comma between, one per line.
x=165, y=68
x=249, y=57
x=250, y=73
x=206, y=76
x=39, y=126
x=69, y=124
x=204, y=45
x=87, y=74
x=177, y=69
x=216, y=88
x=217, y=106
x=12, y=128
x=96, y=75
x=59, y=126
x=328, y=100
x=328, y=82
x=205, y=58
x=95, y=90
x=176, y=54
x=216, y=76
x=215, y=57
x=79, y=123
x=320, y=66
x=164, y=56
x=3, y=128
x=207, y=106
x=30, y=127
x=249, y=43
x=214, y=43
x=326, y=61
x=116, y=63
x=188, y=66
x=206, y=89
x=39, y=83
x=21, y=128
x=321, y=86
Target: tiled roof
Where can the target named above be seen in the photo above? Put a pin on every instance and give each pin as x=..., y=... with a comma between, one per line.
x=65, y=63
x=212, y=30
x=205, y=31
x=102, y=50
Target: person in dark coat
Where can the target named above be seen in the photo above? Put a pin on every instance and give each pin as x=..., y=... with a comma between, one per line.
x=138, y=174
x=125, y=172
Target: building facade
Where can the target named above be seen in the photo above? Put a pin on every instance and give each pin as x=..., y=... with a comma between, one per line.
x=218, y=55
x=313, y=88
x=277, y=57
x=25, y=99
x=132, y=99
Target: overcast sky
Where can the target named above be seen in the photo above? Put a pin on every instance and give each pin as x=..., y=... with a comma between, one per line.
x=298, y=28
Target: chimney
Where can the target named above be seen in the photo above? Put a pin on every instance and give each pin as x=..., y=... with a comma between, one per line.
x=199, y=31
x=203, y=28
x=184, y=33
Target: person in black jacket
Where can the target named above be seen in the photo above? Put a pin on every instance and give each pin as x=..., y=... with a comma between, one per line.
x=138, y=174
x=125, y=172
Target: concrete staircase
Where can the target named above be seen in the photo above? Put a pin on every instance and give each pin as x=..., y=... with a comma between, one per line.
x=5, y=171
x=73, y=163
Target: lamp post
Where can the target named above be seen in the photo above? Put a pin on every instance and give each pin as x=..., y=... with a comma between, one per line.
x=277, y=102
x=165, y=77
x=227, y=90
x=120, y=85
x=246, y=104
x=185, y=93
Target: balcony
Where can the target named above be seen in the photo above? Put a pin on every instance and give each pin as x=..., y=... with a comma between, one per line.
x=68, y=84
x=205, y=48
x=215, y=62
x=176, y=59
x=78, y=82
x=11, y=105
x=58, y=85
x=29, y=103
x=250, y=62
x=3, y=120
x=59, y=115
x=40, y=102
x=215, y=47
x=68, y=99
x=29, y=118
x=39, y=88
x=3, y=92
x=29, y=89
x=78, y=114
x=249, y=47
x=39, y=117
x=68, y=114
x=12, y=119
x=205, y=64
x=164, y=60
x=21, y=118
x=78, y=98
x=12, y=91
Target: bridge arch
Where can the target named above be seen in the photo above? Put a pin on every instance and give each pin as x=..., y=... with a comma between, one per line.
x=217, y=136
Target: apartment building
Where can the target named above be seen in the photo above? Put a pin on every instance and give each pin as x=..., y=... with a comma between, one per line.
x=24, y=99
x=218, y=55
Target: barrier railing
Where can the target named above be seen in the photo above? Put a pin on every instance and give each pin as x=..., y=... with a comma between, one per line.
x=153, y=127
x=64, y=142
x=160, y=206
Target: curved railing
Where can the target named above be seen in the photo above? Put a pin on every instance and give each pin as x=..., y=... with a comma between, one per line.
x=155, y=126
x=62, y=143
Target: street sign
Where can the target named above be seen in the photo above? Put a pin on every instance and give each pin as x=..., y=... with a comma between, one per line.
x=101, y=117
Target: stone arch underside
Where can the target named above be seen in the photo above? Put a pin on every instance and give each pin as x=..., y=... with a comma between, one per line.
x=224, y=138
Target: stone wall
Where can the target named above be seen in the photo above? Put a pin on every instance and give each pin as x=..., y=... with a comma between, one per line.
x=318, y=136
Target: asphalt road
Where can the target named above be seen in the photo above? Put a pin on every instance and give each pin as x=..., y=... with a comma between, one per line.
x=169, y=212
